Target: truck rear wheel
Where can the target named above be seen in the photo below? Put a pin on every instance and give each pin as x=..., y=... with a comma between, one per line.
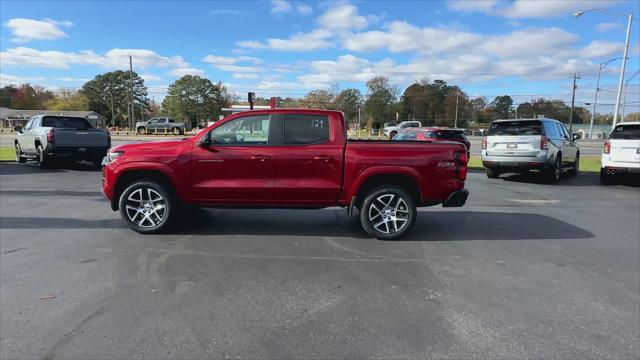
x=147, y=206
x=387, y=212
x=176, y=131
x=44, y=161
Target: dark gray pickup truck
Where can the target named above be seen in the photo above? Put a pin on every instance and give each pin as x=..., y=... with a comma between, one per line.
x=48, y=138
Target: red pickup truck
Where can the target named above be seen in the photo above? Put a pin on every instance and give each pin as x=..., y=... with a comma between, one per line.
x=284, y=158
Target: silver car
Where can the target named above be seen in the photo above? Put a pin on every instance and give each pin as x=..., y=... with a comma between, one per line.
x=527, y=144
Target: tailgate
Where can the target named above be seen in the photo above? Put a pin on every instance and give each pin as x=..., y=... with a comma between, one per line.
x=625, y=150
x=513, y=145
x=89, y=138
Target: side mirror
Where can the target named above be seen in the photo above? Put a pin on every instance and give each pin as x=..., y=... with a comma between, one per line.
x=205, y=141
x=576, y=136
x=18, y=129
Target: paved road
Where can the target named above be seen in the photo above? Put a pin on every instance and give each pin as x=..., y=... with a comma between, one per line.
x=525, y=270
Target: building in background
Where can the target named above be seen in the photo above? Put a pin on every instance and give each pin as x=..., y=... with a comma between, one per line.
x=12, y=118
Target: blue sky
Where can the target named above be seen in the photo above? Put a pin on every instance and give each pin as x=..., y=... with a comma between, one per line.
x=517, y=47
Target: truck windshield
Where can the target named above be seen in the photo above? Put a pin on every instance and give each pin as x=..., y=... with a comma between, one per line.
x=532, y=127
x=64, y=122
x=628, y=132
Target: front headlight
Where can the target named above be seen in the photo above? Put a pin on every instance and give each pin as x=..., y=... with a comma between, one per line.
x=111, y=156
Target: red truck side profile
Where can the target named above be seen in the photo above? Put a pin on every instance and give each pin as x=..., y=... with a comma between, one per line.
x=284, y=158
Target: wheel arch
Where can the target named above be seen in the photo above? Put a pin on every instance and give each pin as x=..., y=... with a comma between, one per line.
x=404, y=180
x=128, y=176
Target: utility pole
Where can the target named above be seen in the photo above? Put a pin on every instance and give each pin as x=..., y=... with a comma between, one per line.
x=624, y=98
x=573, y=99
x=455, y=121
x=358, y=121
x=131, y=119
x=624, y=63
x=113, y=120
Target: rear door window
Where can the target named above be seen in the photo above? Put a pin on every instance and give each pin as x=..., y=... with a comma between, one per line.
x=64, y=122
x=305, y=129
x=406, y=135
x=626, y=132
x=449, y=134
x=533, y=127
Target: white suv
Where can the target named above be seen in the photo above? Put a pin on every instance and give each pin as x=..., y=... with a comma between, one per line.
x=621, y=152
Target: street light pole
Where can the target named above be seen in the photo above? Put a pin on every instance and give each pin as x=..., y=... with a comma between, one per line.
x=624, y=63
x=624, y=57
x=595, y=99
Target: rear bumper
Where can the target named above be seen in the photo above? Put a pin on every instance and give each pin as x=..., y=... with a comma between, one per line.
x=615, y=170
x=456, y=199
x=77, y=153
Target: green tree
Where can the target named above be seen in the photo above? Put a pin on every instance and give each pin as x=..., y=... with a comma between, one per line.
x=68, y=100
x=502, y=106
x=348, y=101
x=319, y=99
x=113, y=88
x=196, y=100
x=380, y=96
x=6, y=95
x=28, y=97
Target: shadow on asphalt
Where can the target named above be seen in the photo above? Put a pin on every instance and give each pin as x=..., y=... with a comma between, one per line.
x=430, y=226
x=583, y=179
x=13, y=168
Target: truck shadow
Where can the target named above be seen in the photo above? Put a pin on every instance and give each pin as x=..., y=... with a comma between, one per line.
x=430, y=226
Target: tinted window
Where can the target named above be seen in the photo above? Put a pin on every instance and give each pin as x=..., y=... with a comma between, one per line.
x=449, y=134
x=162, y=121
x=29, y=124
x=551, y=130
x=626, y=132
x=406, y=135
x=305, y=129
x=250, y=130
x=533, y=127
x=171, y=120
x=563, y=131
x=77, y=123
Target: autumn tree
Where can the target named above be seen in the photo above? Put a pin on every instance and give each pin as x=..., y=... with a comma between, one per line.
x=28, y=97
x=68, y=100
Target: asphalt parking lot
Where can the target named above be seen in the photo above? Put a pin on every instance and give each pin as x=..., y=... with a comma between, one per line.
x=525, y=270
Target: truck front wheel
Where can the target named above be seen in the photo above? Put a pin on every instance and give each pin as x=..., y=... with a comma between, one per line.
x=387, y=212
x=147, y=206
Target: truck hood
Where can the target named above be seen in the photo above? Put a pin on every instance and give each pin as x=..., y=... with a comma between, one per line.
x=151, y=145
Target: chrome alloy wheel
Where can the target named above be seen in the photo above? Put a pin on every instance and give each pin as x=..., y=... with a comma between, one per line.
x=146, y=207
x=389, y=213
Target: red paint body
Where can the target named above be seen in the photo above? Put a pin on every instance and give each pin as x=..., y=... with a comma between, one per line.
x=317, y=175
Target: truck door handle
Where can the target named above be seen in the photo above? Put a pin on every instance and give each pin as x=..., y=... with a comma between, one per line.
x=260, y=157
x=323, y=158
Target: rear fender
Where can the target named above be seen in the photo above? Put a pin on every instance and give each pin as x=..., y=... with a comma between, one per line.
x=367, y=173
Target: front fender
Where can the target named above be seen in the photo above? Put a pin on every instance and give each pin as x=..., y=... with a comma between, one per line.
x=176, y=181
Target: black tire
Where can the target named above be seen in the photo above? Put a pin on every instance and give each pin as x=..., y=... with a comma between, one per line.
x=392, y=134
x=20, y=159
x=576, y=166
x=42, y=158
x=139, y=206
x=605, y=179
x=142, y=131
x=400, y=210
x=175, y=131
x=553, y=174
x=492, y=173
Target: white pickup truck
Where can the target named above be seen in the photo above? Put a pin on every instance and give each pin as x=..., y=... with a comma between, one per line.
x=621, y=152
x=391, y=131
x=48, y=138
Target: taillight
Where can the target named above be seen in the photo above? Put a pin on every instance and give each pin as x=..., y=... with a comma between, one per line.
x=544, y=143
x=607, y=147
x=51, y=139
x=484, y=143
x=461, y=164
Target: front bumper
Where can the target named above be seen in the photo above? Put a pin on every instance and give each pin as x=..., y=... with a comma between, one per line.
x=456, y=198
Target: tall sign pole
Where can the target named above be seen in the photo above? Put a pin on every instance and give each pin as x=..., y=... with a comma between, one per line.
x=573, y=100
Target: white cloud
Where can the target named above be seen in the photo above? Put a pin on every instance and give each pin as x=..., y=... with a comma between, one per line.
x=472, y=5
x=72, y=79
x=606, y=26
x=150, y=77
x=25, y=30
x=112, y=59
x=182, y=71
x=548, y=8
x=342, y=17
x=6, y=79
x=601, y=49
x=314, y=40
x=244, y=76
x=238, y=64
x=280, y=6
x=304, y=9
x=227, y=12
